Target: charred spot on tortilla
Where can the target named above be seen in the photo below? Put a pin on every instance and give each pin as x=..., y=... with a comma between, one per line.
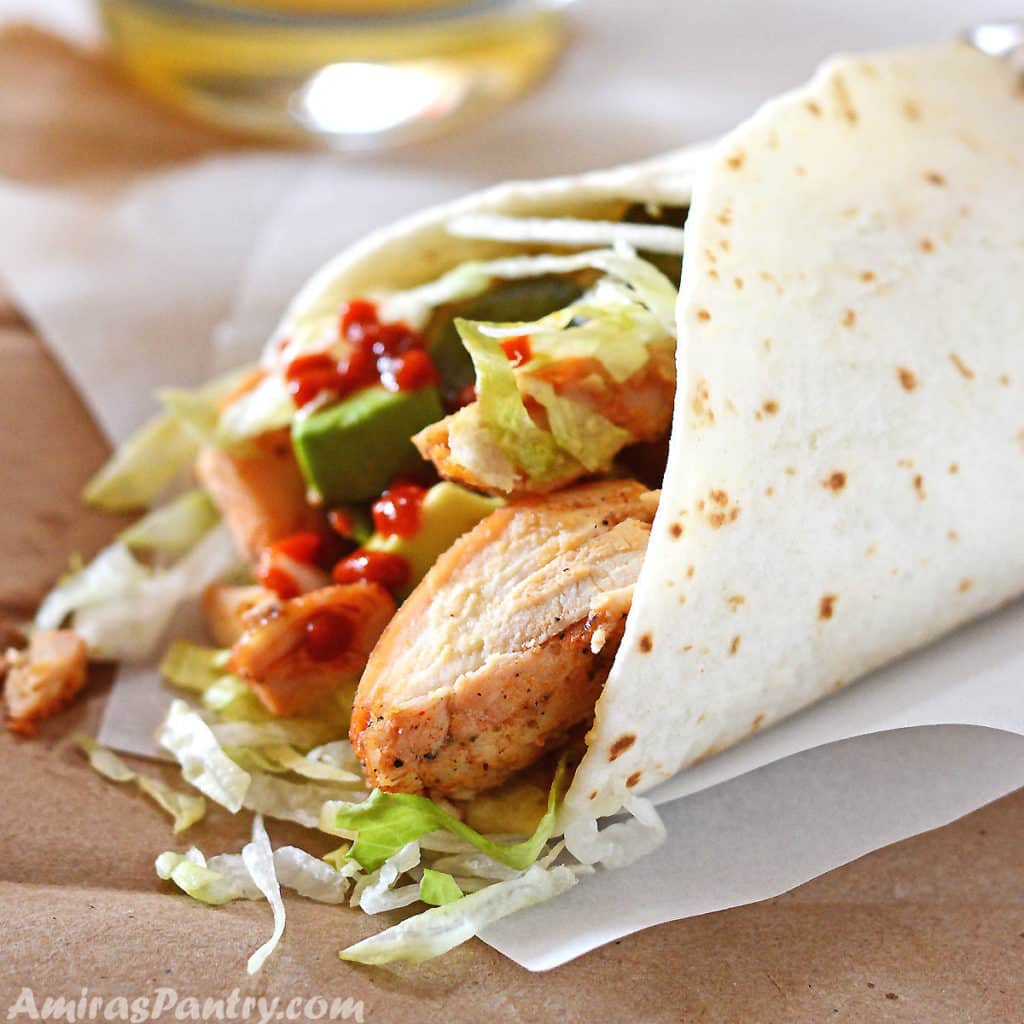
x=719, y=497
x=849, y=318
x=813, y=107
x=926, y=245
x=953, y=536
x=961, y=367
x=701, y=405
x=646, y=643
x=835, y=482
x=954, y=468
x=621, y=745
x=736, y=160
x=826, y=606
x=675, y=530
x=867, y=276
x=771, y=407
x=934, y=178
x=912, y=110
x=965, y=585
x=908, y=379
x=843, y=99
x=736, y=601
x=919, y=486
x=634, y=779
x=758, y=721
x=703, y=314
x=734, y=644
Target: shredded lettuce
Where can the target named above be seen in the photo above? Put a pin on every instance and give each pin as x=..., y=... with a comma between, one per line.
x=258, y=857
x=143, y=466
x=298, y=732
x=194, y=667
x=385, y=822
x=310, y=768
x=110, y=576
x=438, y=888
x=185, y=808
x=225, y=878
x=121, y=607
x=414, y=305
x=619, y=323
x=173, y=528
x=502, y=410
x=203, y=762
x=301, y=802
x=190, y=873
x=590, y=438
x=146, y=464
x=196, y=411
x=232, y=701
x=438, y=930
x=311, y=877
x=375, y=893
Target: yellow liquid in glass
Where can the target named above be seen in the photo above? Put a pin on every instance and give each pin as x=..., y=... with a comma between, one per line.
x=266, y=76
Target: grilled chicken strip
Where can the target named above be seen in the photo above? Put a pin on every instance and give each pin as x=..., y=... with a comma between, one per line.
x=463, y=450
x=44, y=678
x=259, y=491
x=296, y=653
x=505, y=644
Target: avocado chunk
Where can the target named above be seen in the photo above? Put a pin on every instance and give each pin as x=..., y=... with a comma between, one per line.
x=519, y=300
x=448, y=511
x=352, y=451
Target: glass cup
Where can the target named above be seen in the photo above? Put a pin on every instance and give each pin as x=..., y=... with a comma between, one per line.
x=354, y=73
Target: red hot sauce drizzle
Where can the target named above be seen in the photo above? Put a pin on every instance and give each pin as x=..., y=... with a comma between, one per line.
x=398, y=511
x=383, y=567
x=390, y=354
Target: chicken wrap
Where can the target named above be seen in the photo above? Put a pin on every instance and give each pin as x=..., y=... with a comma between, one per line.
x=460, y=607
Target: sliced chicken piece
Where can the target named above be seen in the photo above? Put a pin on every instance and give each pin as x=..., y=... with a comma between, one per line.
x=259, y=490
x=297, y=653
x=229, y=611
x=463, y=450
x=43, y=678
x=505, y=644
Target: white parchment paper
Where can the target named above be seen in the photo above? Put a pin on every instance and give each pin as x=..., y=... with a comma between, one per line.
x=186, y=272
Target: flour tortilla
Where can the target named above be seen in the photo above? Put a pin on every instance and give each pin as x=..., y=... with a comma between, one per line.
x=846, y=474
x=420, y=248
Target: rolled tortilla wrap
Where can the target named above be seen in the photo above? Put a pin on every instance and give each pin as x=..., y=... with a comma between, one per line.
x=846, y=474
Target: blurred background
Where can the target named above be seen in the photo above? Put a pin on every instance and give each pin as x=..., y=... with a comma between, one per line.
x=605, y=80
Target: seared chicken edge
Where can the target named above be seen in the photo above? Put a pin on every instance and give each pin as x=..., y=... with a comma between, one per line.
x=505, y=645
